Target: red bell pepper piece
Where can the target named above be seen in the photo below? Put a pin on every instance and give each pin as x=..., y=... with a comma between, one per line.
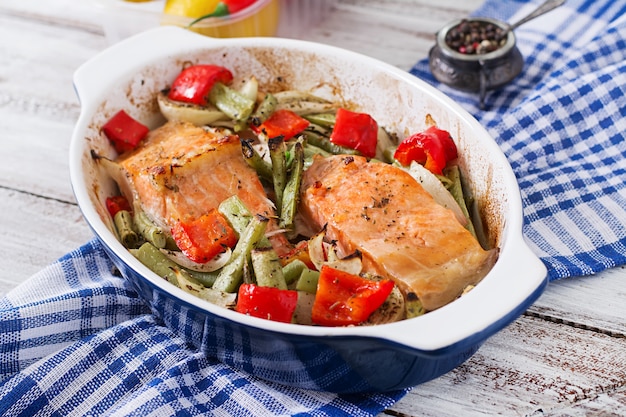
x=117, y=203
x=203, y=238
x=432, y=148
x=124, y=131
x=267, y=302
x=357, y=131
x=282, y=122
x=236, y=5
x=343, y=299
x=194, y=83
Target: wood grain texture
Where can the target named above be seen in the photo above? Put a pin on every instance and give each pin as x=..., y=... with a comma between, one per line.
x=565, y=357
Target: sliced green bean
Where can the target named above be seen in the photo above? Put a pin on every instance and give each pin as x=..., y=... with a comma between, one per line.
x=307, y=281
x=264, y=110
x=125, y=229
x=291, y=194
x=232, y=273
x=150, y=232
x=231, y=102
x=256, y=161
x=239, y=217
x=323, y=119
x=205, y=278
x=323, y=142
x=293, y=270
x=236, y=213
x=279, y=168
x=456, y=189
x=267, y=268
x=159, y=263
x=219, y=298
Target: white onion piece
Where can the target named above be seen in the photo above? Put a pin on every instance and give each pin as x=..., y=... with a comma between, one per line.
x=250, y=88
x=304, y=308
x=187, y=112
x=322, y=253
x=317, y=253
x=435, y=188
x=120, y=176
x=213, y=265
x=393, y=309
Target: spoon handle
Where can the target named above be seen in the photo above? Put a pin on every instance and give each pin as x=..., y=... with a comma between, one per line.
x=544, y=8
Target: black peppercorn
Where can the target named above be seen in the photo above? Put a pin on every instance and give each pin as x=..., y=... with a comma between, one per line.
x=475, y=37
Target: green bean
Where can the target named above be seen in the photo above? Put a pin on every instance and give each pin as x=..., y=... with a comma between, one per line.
x=279, y=168
x=256, y=161
x=264, y=109
x=124, y=224
x=267, y=268
x=205, y=278
x=293, y=270
x=159, y=263
x=232, y=273
x=323, y=142
x=150, y=232
x=322, y=119
x=291, y=194
x=307, y=281
x=456, y=189
x=239, y=217
x=232, y=103
x=236, y=213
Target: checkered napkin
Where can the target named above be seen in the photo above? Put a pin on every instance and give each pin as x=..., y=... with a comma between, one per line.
x=562, y=126
x=75, y=340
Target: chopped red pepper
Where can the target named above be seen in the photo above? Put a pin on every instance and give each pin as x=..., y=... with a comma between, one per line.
x=194, y=83
x=117, y=203
x=124, y=131
x=282, y=122
x=357, y=131
x=343, y=299
x=203, y=238
x=267, y=302
x=236, y=5
x=433, y=148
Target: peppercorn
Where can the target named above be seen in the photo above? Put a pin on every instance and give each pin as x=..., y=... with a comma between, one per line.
x=475, y=37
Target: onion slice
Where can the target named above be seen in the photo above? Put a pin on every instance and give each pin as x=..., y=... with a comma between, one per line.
x=213, y=265
x=198, y=115
x=435, y=188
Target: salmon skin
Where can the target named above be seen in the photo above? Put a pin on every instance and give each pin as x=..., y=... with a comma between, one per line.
x=402, y=233
x=181, y=171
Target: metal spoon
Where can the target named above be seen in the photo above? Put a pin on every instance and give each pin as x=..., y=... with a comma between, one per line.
x=544, y=8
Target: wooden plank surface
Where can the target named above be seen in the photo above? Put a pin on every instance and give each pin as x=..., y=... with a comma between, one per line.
x=565, y=357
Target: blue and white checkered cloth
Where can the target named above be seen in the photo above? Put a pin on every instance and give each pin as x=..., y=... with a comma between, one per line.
x=562, y=125
x=75, y=339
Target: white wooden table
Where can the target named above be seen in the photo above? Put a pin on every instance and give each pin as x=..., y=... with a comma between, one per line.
x=566, y=356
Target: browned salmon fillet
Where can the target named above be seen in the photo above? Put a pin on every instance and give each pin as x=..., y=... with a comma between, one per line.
x=400, y=230
x=182, y=171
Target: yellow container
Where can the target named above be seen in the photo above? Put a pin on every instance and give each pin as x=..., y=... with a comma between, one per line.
x=121, y=19
x=260, y=19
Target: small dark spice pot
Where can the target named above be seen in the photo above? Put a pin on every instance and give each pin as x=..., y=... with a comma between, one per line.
x=475, y=55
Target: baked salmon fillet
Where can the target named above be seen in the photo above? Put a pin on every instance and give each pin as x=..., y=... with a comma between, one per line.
x=401, y=232
x=181, y=171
